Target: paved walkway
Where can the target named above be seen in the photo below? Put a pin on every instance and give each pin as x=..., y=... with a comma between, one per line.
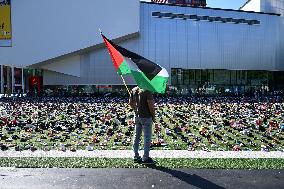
x=153, y=153
x=143, y=178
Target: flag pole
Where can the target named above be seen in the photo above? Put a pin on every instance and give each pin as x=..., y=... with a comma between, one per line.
x=125, y=85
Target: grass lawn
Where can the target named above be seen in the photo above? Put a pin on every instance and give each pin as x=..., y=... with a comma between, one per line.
x=177, y=127
x=128, y=163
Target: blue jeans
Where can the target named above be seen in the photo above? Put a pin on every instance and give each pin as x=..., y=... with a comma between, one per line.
x=146, y=125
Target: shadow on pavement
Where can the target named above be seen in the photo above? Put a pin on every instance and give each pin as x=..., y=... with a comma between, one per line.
x=193, y=179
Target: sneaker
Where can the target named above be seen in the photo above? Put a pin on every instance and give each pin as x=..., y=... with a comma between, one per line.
x=148, y=161
x=137, y=159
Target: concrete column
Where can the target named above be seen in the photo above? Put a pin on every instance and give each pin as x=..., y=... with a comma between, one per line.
x=13, y=78
x=23, y=81
x=2, y=79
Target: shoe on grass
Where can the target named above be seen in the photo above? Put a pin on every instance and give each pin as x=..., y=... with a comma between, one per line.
x=33, y=148
x=18, y=148
x=73, y=149
x=90, y=147
x=148, y=161
x=4, y=147
x=137, y=159
x=46, y=148
x=62, y=147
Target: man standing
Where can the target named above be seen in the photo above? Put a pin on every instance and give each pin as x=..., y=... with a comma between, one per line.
x=141, y=101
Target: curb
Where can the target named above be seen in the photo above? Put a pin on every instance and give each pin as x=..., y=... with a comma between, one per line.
x=153, y=153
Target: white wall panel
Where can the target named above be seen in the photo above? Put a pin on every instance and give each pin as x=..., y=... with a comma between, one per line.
x=43, y=29
x=213, y=45
x=277, y=6
x=69, y=66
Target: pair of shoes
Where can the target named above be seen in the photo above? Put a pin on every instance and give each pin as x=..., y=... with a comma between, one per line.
x=148, y=161
x=137, y=159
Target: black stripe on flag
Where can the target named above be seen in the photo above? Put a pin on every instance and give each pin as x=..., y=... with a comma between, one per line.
x=149, y=68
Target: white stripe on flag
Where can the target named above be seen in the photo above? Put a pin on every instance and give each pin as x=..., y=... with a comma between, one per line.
x=163, y=73
x=132, y=66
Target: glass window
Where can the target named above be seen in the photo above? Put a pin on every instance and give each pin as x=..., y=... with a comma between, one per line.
x=224, y=20
x=186, y=16
x=156, y=14
x=199, y=18
x=242, y=21
x=174, y=76
x=193, y=17
x=247, y=22
x=236, y=21
x=241, y=77
x=217, y=19
x=192, y=77
x=179, y=76
x=229, y=19
x=168, y=15
x=38, y=72
x=173, y=16
x=186, y=80
x=180, y=16
x=221, y=77
x=210, y=19
x=210, y=76
x=258, y=77
x=187, y=1
x=204, y=76
x=205, y=18
x=172, y=1
x=256, y=22
x=233, y=77
x=198, y=77
x=18, y=76
x=278, y=79
x=5, y=68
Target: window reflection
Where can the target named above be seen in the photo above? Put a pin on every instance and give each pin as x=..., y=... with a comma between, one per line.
x=230, y=81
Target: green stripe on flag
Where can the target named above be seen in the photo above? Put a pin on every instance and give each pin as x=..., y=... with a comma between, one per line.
x=157, y=84
x=123, y=68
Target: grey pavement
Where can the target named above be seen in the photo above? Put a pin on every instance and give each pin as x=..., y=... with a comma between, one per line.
x=152, y=177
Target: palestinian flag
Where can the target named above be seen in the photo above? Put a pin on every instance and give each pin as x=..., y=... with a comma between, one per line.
x=147, y=74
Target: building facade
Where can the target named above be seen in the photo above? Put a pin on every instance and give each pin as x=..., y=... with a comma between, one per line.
x=201, y=47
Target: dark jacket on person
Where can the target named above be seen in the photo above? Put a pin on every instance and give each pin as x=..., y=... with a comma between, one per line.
x=140, y=97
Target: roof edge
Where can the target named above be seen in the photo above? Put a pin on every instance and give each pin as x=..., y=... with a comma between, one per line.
x=273, y=14
x=84, y=50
